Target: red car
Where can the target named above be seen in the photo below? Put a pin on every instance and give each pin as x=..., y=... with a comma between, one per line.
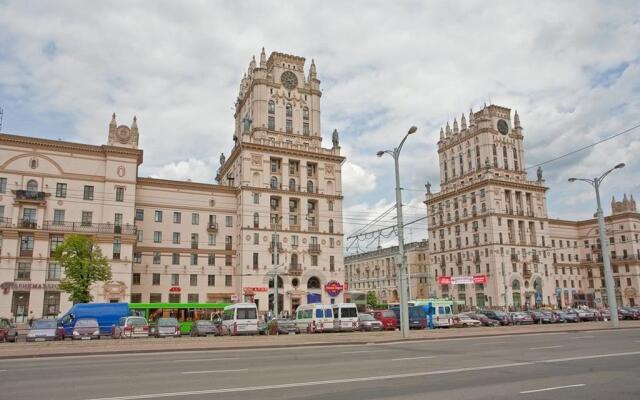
x=387, y=317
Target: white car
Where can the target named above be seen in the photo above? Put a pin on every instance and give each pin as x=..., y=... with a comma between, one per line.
x=463, y=321
x=130, y=327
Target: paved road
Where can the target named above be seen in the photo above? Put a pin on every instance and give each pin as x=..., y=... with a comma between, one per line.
x=585, y=365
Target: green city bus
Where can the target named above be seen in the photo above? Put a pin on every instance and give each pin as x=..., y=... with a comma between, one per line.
x=185, y=313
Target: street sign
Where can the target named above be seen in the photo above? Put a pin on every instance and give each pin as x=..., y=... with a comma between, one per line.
x=539, y=296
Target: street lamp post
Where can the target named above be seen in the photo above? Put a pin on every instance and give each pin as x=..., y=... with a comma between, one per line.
x=608, y=274
x=403, y=284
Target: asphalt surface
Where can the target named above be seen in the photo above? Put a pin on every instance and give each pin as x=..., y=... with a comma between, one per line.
x=584, y=365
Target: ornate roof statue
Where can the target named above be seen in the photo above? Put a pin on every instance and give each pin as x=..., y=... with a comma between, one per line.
x=539, y=172
x=335, y=139
x=222, y=159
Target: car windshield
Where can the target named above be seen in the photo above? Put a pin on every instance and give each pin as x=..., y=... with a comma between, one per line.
x=45, y=324
x=247, y=313
x=204, y=323
x=88, y=323
x=137, y=321
x=348, y=312
x=167, y=322
x=388, y=314
x=366, y=317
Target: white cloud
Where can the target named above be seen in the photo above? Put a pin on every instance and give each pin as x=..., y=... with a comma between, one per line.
x=191, y=169
x=356, y=180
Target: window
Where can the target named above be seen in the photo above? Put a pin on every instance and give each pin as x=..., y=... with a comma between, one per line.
x=255, y=261
x=136, y=297
x=289, y=126
x=135, y=279
x=175, y=279
x=137, y=257
x=176, y=237
x=158, y=216
x=174, y=297
x=228, y=280
x=272, y=107
x=117, y=221
x=117, y=244
x=175, y=258
x=256, y=198
x=330, y=226
x=294, y=240
x=331, y=243
x=332, y=266
x=194, y=259
x=193, y=298
x=87, y=217
x=58, y=217
x=330, y=205
x=271, y=123
x=305, y=113
x=289, y=110
x=155, y=297
x=139, y=214
x=228, y=261
x=310, y=186
x=305, y=128
x=120, y=193
x=157, y=237
x=88, y=192
x=195, y=219
x=3, y=185
x=139, y=234
x=61, y=190
x=314, y=260
x=211, y=280
x=177, y=217
x=211, y=259
x=273, y=183
x=23, y=273
x=54, y=272
x=212, y=239
x=228, y=221
x=193, y=281
x=156, y=257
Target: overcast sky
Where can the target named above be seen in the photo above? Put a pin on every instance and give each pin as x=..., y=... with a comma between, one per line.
x=571, y=69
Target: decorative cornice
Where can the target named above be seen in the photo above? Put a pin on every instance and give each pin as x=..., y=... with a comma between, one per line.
x=166, y=183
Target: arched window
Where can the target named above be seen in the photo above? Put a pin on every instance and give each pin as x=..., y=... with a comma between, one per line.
x=330, y=226
x=504, y=151
x=313, y=283
x=515, y=285
x=32, y=186
x=310, y=186
x=292, y=184
x=279, y=283
x=256, y=220
x=515, y=153
x=272, y=107
x=274, y=182
x=289, y=110
x=294, y=261
x=305, y=113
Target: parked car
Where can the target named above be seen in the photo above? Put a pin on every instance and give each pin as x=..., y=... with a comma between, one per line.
x=604, y=314
x=521, y=318
x=564, y=316
x=130, y=327
x=204, y=327
x=417, y=317
x=586, y=314
x=464, y=321
x=284, y=326
x=484, y=320
x=366, y=322
x=45, y=329
x=542, y=317
x=8, y=331
x=387, y=317
x=107, y=315
x=165, y=327
x=626, y=313
x=500, y=316
x=86, y=329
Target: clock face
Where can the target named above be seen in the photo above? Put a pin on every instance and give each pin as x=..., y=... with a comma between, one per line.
x=123, y=134
x=503, y=127
x=289, y=80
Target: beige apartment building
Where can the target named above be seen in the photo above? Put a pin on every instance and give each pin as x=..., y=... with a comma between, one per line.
x=491, y=241
x=279, y=192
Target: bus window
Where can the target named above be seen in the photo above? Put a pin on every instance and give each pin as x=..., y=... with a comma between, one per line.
x=247, y=313
x=348, y=312
x=328, y=313
x=318, y=313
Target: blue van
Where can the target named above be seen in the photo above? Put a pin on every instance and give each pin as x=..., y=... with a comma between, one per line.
x=107, y=315
x=417, y=316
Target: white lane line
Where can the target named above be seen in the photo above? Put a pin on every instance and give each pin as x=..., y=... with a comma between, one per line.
x=486, y=343
x=545, y=347
x=214, y=372
x=3, y=370
x=363, y=379
x=412, y=358
x=583, y=337
x=552, y=388
x=363, y=351
x=205, y=359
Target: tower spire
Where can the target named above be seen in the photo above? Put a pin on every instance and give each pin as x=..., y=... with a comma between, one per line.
x=312, y=70
x=448, y=130
x=463, y=122
x=455, y=126
x=441, y=134
x=516, y=120
x=263, y=59
x=472, y=118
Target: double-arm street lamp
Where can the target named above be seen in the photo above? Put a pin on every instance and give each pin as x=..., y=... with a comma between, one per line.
x=403, y=284
x=608, y=274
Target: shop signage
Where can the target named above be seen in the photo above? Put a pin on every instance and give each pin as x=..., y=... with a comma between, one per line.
x=333, y=288
x=462, y=280
x=256, y=289
x=7, y=286
x=234, y=298
x=175, y=289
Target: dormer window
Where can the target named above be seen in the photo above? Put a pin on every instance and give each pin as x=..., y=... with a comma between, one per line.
x=305, y=113
x=272, y=107
x=289, y=110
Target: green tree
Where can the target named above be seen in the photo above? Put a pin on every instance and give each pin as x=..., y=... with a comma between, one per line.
x=83, y=265
x=372, y=299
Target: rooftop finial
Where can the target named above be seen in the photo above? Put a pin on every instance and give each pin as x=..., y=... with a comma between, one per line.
x=472, y=118
x=134, y=124
x=263, y=59
x=312, y=70
x=113, y=119
x=516, y=120
x=455, y=126
x=463, y=122
x=448, y=129
x=441, y=133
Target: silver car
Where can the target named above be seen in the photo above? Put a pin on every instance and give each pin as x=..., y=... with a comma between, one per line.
x=366, y=322
x=45, y=329
x=166, y=327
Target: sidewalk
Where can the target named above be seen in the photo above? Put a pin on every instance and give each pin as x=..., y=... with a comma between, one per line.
x=150, y=345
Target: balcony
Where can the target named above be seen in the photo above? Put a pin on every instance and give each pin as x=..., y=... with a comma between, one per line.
x=28, y=196
x=194, y=245
x=314, y=248
x=313, y=228
x=514, y=257
x=26, y=252
x=88, y=227
x=228, y=246
x=5, y=222
x=275, y=247
x=295, y=269
x=27, y=224
x=526, y=274
x=535, y=258
x=212, y=227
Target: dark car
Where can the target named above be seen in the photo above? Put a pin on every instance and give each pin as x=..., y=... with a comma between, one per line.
x=486, y=321
x=521, y=318
x=387, y=317
x=45, y=329
x=417, y=317
x=565, y=317
x=86, y=329
x=626, y=313
x=542, y=317
x=204, y=327
x=500, y=316
x=165, y=327
x=283, y=326
x=8, y=331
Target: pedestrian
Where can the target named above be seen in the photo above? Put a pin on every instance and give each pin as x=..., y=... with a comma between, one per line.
x=30, y=320
x=269, y=315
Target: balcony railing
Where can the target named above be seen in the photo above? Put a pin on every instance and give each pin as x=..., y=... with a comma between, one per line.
x=5, y=222
x=526, y=274
x=535, y=258
x=275, y=247
x=314, y=248
x=514, y=257
x=194, y=245
x=228, y=246
x=212, y=227
x=26, y=252
x=295, y=269
x=27, y=224
x=28, y=195
x=87, y=227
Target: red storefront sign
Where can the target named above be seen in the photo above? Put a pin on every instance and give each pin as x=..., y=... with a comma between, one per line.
x=333, y=288
x=444, y=280
x=462, y=280
x=175, y=289
x=479, y=279
x=255, y=289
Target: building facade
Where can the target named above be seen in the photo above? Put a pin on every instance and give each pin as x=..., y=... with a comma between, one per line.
x=277, y=208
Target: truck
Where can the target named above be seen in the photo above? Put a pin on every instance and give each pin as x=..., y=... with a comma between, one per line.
x=107, y=315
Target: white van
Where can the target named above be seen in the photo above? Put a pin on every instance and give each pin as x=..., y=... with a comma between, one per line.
x=240, y=319
x=312, y=318
x=345, y=317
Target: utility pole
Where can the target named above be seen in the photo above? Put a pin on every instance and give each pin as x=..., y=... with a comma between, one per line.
x=608, y=273
x=504, y=282
x=275, y=247
x=403, y=284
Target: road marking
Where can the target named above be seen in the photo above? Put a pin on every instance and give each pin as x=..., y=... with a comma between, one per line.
x=411, y=358
x=3, y=370
x=552, y=388
x=214, y=372
x=584, y=337
x=363, y=379
x=362, y=351
x=205, y=359
x=545, y=347
x=486, y=343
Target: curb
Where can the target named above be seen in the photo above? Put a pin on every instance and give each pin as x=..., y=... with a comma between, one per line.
x=323, y=344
